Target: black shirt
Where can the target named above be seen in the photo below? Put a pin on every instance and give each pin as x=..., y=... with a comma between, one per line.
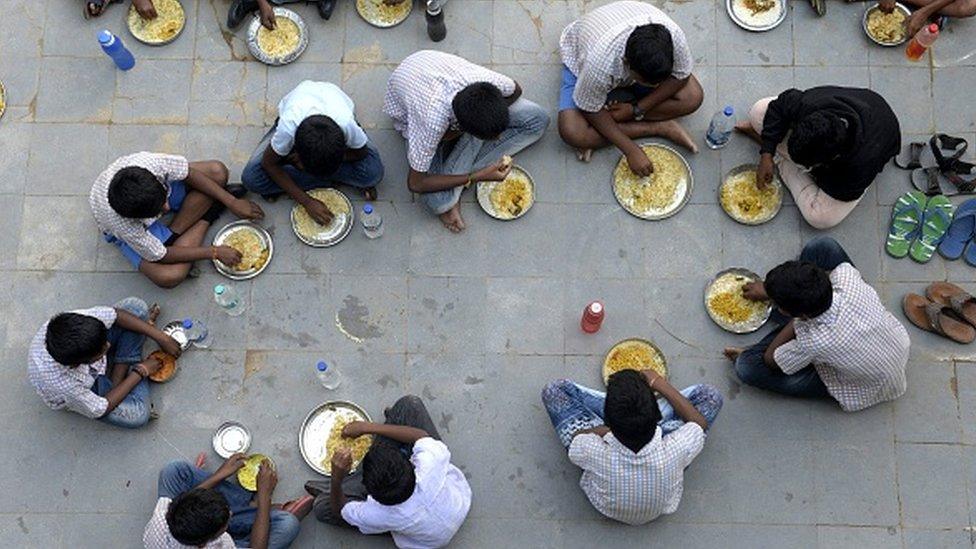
x=875, y=135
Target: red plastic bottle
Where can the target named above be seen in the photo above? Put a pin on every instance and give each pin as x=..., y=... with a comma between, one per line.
x=592, y=317
x=921, y=42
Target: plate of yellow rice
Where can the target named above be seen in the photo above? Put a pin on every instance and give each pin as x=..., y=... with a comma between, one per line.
x=886, y=29
x=166, y=27
x=728, y=308
x=320, y=436
x=634, y=354
x=508, y=199
x=744, y=201
x=659, y=195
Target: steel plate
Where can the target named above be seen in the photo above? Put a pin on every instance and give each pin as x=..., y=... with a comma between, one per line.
x=242, y=224
x=150, y=42
x=605, y=372
x=315, y=431
x=756, y=28
x=758, y=221
x=335, y=232
x=484, y=196
x=252, y=38
x=369, y=11
x=175, y=330
x=864, y=24
x=673, y=209
x=231, y=438
x=744, y=328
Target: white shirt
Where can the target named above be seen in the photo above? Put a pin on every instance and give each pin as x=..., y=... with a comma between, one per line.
x=593, y=46
x=60, y=386
x=432, y=515
x=167, y=168
x=636, y=488
x=859, y=349
x=419, y=95
x=157, y=534
x=311, y=98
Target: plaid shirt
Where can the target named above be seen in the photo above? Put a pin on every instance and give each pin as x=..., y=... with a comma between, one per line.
x=157, y=534
x=419, y=94
x=858, y=348
x=166, y=168
x=636, y=488
x=592, y=48
x=62, y=387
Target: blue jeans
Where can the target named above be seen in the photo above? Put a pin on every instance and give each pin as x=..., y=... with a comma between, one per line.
x=826, y=253
x=126, y=348
x=362, y=174
x=177, y=193
x=573, y=407
x=527, y=123
x=179, y=477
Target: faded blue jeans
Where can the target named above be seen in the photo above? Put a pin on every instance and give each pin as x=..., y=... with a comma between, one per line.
x=126, y=348
x=573, y=407
x=361, y=174
x=527, y=123
x=826, y=253
x=178, y=477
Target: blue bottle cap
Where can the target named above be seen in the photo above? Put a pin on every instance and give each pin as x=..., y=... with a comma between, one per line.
x=367, y=209
x=728, y=110
x=105, y=37
x=322, y=366
x=187, y=323
x=219, y=289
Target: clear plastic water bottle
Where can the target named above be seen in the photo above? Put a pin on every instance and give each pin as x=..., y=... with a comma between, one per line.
x=229, y=300
x=720, y=128
x=328, y=375
x=197, y=332
x=372, y=222
x=112, y=45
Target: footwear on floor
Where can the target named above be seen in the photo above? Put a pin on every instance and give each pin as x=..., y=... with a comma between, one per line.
x=960, y=232
x=436, y=28
x=819, y=6
x=935, y=223
x=908, y=158
x=238, y=11
x=949, y=295
x=936, y=318
x=906, y=220
x=237, y=190
x=325, y=8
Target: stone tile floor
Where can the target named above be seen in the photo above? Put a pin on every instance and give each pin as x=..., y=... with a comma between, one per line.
x=475, y=323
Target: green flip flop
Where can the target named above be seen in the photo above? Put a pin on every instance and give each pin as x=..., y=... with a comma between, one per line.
x=935, y=223
x=906, y=218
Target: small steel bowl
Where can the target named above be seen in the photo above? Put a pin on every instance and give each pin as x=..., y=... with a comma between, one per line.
x=864, y=24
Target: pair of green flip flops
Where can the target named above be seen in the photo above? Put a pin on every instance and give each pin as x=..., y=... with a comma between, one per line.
x=918, y=225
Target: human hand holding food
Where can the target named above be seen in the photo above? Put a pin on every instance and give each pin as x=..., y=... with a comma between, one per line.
x=494, y=172
x=886, y=6
x=266, y=13
x=341, y=462
x=170, y=346
x=267, y=479
x=754, y=291
x=639, y=163
x=764, y=173
x=246, y=209
x=231, y=465
x=653, y=378
x=318, y=211
x=145, y=8
x=355, y=429
x=227, y=255
x=151, y=365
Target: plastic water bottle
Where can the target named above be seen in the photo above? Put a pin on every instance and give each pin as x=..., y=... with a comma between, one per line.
x=197, y=332
x=112, y=45
x=922, y=41
x=720, y=128
x=372, y=222
x=229, y=300
x=328, y=375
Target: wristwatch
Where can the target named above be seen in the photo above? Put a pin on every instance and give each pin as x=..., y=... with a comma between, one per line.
x=638, y=112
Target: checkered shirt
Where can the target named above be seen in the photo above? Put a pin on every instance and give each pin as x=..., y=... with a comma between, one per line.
x=858, y=348
x=157, y=534
x=636, y=488
x=62, y=387
x=419, y=94
x=593, y=46
x=166, y=168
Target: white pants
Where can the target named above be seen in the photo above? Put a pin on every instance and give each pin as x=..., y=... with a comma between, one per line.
x=818, y=208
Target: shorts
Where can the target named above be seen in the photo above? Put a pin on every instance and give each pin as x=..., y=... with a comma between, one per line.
x=177, y=193
x=568, y=86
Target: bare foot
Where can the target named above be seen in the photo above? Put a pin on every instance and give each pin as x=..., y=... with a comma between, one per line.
x=583, y=155
x=745, y=128
x=452, y=219
x=201, y=460
x=673, y=131
x=153, y=314
x=732, y=353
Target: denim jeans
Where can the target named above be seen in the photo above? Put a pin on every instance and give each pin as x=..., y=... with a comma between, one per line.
x=361, y=174
x=125, y=347
x=573, y=407
x=179, y=477
x=826, y=253
x=527, y=123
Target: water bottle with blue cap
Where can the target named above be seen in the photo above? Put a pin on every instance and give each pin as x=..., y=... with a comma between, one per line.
x=720, y=129
x=197, y=332
x=328, y=375
x=112, y=45
x=372, y=222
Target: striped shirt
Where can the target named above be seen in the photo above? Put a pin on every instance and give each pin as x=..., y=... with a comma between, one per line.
x=419, y=94
x=61, y=386
x=593, y=46
x=636, y=488
x=166, y=168
x=858, y=348
x=157, y=534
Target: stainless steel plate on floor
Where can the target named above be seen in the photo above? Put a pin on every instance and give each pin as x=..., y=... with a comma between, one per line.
x=320, y=236
x=485, y=189
x=176, y=17
x=231, y=438
x=243, y=225
x=175, y=330
x=376, y=13
x=284, y=59
x=681, y=197
x=607, y=370
x=899, y=7
x=735, y=213
x=316, y=428
x=744, y=327
x=736, y=11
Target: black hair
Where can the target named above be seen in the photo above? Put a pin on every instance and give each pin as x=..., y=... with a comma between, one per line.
x=630, y=410
x=650, y=53
x=74, y=339
x=320, y=145
x=136, y=193
x=198, y=516
x=388, y=475
x=800, y=288
x=481, y=110
x=817, y=138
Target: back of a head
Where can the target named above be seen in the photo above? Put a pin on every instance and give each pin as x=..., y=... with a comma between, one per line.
x=320, y=145
x=388, y=475
x=135, y=193
x=481, y=110
x=817, y=138
x=800, y=288
x=198, y=516
x=650, y=53
x=630, y=410
x=73, y=339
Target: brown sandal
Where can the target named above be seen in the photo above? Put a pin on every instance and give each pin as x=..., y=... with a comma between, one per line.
x=370, y=194
x=954, y=297
x=936, y=318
